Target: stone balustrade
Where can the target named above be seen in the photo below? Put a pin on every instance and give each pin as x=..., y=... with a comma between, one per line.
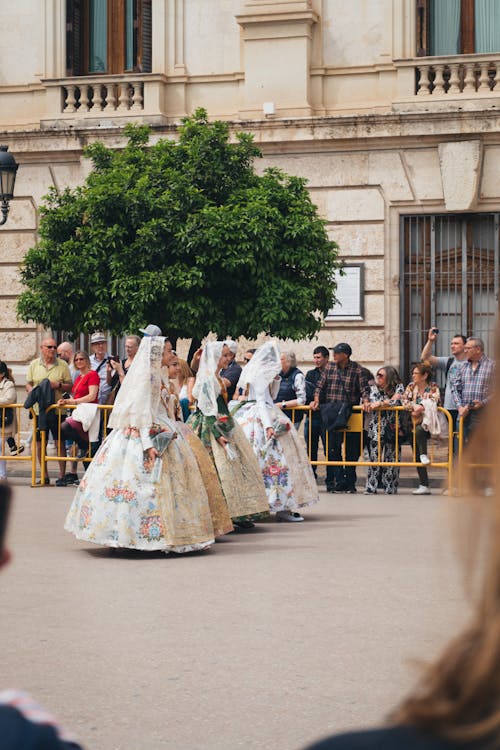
x=91, y=101
x=473, y=75
x=102, y=94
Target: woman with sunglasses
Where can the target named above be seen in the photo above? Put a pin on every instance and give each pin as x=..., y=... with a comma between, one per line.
x=85, y=391
x=386, y=391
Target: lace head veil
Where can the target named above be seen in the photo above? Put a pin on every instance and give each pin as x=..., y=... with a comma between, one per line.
x=262, y=368
x=139, y=395
x=207, y=386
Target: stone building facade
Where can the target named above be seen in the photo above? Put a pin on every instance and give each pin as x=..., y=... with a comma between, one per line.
x=400, y=143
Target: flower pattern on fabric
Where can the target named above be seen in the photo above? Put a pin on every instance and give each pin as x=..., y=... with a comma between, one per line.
x=288, y=477
x=120, y=493
x=151, y=527
x=117, y=504
x=240, y=478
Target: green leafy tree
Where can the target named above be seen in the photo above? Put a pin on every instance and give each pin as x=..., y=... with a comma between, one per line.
x=183, y=233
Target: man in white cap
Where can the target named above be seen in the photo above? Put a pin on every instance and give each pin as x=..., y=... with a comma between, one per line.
x=98, y=362
x=231, y=374
x=151, y=330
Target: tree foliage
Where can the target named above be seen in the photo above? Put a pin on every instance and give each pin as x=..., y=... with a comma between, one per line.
x=183, y=233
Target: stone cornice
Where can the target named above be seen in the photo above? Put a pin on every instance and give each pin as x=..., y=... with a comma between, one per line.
x=291, y=134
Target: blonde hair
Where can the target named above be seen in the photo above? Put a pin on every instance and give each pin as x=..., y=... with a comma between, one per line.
x=458, y=697
x=185, y=372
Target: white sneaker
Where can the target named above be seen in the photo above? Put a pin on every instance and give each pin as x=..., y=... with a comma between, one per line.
x=421, y=490
x=287, y=515
x=424, y=459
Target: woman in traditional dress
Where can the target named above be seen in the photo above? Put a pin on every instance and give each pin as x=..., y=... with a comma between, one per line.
x=234, y=460
x=143, y=490
x=221, y=519
x=288, y=476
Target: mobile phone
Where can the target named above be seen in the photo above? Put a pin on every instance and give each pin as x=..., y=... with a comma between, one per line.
x=435, y=330
x=5, y=499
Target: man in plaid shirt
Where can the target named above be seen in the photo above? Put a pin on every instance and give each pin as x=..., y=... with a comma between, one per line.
x=472, y=386
x=341, y=380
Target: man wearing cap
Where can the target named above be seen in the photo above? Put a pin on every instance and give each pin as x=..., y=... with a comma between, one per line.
x=342, y=380
x=151, y=330
x=98, y=362
x=231, y=374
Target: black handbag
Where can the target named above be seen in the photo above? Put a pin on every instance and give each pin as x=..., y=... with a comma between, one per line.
x=335, y=415
x=7, y=417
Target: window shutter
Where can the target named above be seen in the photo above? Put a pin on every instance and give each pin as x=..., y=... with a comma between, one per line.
x=73, y=37
x=146, y=56
x=423, y=15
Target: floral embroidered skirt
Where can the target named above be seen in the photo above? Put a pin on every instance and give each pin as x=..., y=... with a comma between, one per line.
x=117, y=504
x=288, y=476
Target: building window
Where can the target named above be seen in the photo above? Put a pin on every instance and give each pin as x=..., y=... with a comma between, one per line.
x=108, y=36
x=450, y=279
x=458, y=27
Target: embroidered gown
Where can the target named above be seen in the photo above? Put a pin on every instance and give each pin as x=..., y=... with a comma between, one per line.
x=236, y=467
x=119, y=505
x=221, y=519
x=288, y=476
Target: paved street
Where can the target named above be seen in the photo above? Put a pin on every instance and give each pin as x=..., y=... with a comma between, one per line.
x=269, y=640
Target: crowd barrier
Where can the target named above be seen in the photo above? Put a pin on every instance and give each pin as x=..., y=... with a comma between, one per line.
x=14, y=430
x=440, y=452
x=63, y=454
x=356, y=425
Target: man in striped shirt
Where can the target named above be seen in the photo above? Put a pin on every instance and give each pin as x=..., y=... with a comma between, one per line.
x=473, y=384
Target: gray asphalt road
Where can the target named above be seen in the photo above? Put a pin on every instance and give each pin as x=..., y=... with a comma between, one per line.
x=269, y=640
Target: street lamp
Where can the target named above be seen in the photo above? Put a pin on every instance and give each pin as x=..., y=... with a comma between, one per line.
x=8, y=169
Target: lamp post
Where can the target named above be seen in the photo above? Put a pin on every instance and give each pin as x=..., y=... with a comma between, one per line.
x=8, y=170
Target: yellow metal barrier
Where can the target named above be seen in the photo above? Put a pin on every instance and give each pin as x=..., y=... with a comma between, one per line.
x=356, y=426
x=104, y=410
x=462, y=461
x=6, y=431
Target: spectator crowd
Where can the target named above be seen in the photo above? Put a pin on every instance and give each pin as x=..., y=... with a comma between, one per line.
x=66, y=378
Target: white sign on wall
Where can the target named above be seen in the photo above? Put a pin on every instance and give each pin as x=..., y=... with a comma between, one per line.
x=349, y=294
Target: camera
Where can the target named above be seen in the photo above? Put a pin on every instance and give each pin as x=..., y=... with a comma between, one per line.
x=435, y=330
x=113, y=358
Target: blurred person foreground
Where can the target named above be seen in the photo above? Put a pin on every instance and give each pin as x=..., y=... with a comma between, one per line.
x=456, y=704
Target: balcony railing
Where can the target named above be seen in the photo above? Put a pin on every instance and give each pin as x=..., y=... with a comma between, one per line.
x=99, y=96
x=474, y=75
x=88, y=99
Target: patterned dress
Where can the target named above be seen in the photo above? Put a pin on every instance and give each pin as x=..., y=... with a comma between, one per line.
x=237, y=468
x=119, y=503
x=221, y=519
x=288, y=476
x=382, y=426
